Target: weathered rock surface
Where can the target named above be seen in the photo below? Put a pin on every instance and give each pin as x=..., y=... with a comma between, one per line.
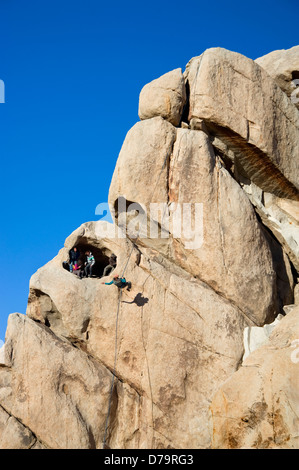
x=281, y=216
x=259, y=406
x=145, y=151
x=165, y=96
x=14, y=435
x=55, y=389
x=231, y=254
x=252, y=113
x=168, y=324
x=213, y=272
x=283, y=66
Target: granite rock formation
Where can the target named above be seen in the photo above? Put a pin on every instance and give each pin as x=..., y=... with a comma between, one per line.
x=202, y=351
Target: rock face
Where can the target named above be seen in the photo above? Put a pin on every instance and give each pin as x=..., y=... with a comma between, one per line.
x=232, y=235
x=283, y=66
x=166, y=326
x=235, y=93
x=201, y=351
x=165, y=96
x=66, y=401
x=280, y=216
x=258, y=406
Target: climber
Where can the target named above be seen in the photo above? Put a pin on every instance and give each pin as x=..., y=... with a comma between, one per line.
x=79, y=267
x=119, y=282
x=74, y=256
x=111, y=266
x=90, y=261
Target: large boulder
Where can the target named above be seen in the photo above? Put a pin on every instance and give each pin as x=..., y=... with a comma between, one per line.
x=55, y=390
x=228, y=248
x=258, y=406
x=177, y=340
x=246, y=108
x=165, y=97
x=146, y=151
x=235, y=257
x=283, y=67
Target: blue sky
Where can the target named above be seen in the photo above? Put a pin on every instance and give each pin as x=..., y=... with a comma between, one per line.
x=73, y=72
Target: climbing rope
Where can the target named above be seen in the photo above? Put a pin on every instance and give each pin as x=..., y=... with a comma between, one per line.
x=119, y=301
x=114, y=369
